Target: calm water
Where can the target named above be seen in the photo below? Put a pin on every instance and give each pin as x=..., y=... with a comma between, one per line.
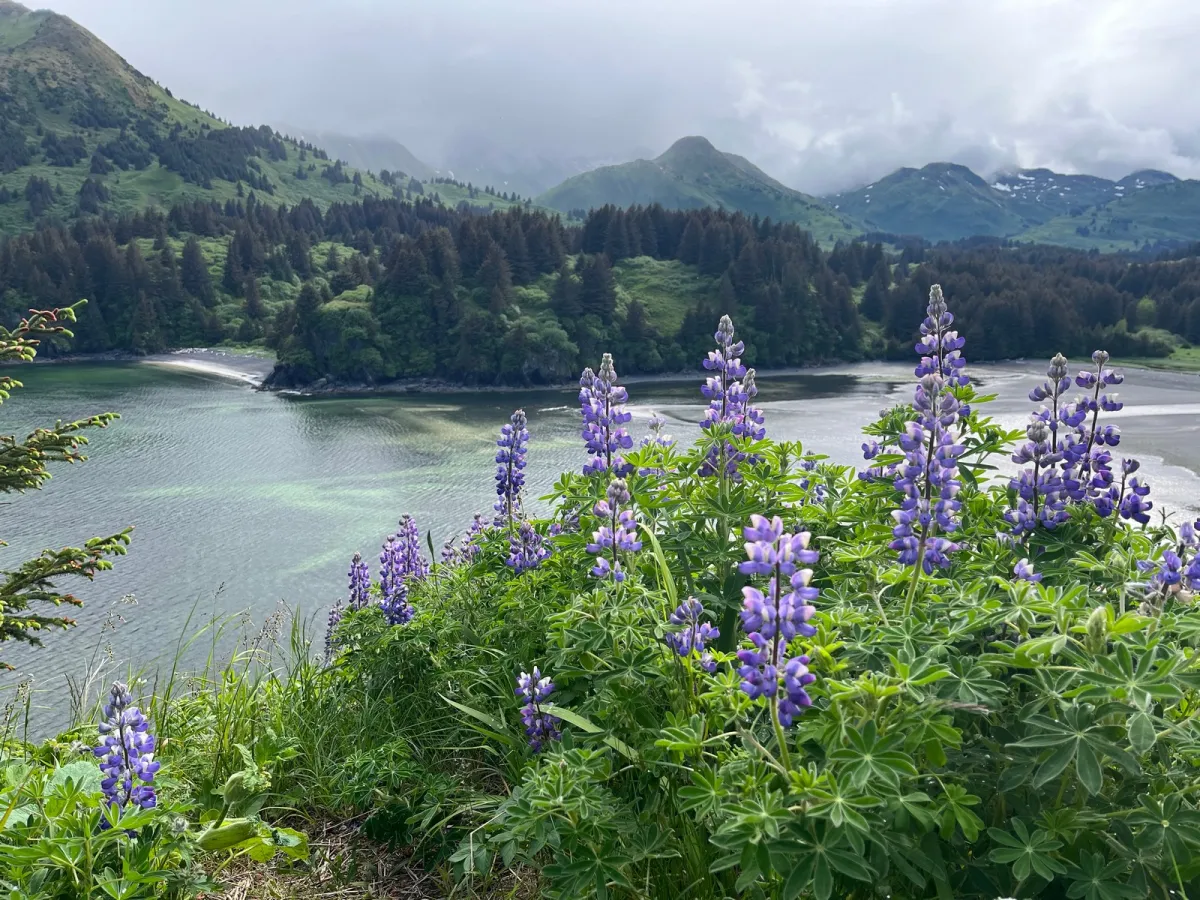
x=242, y=500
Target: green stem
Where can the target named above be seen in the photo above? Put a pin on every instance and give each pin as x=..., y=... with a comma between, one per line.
x=781, y=739
x=912, y=587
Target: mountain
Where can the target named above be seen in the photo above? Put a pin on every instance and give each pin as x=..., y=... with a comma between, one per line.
x=947, y=202
x=372, y=153
x=82, y=131
x=939, y=202
x=692, y=174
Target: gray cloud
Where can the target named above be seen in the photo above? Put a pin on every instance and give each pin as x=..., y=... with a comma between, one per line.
x=823, y=94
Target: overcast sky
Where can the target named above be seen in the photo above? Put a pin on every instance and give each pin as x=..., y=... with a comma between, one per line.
x=823, y=94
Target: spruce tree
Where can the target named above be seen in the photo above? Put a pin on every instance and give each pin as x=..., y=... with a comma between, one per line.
x=23, y=467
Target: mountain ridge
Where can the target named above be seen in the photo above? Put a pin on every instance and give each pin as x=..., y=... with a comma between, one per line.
x=691, y=174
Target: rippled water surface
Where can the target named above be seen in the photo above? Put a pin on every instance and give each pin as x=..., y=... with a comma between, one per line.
x=242, y=499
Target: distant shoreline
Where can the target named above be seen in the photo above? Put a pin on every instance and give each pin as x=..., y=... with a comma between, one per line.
x=254, y=370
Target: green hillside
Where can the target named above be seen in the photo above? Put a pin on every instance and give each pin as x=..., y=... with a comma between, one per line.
x=693, y=174
x=372, y=153
x=948, y=202
x=81, y=131
x=1166, y=211
x=939, y=202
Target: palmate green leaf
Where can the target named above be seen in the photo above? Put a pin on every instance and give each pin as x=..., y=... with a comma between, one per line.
x=1093, y=879
x=871, y=757
x=1026, y=852
x=705, y=795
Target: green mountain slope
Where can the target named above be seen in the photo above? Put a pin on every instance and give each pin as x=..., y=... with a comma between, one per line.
x=947, y=202
x=370, y=153
x=693, y=174
x=82, y=131
x=939, y=202
x=1166, y=211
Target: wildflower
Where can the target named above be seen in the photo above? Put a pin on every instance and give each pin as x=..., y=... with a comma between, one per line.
x=618, y=534
x=729, y=393
x=1023, y=571
x=926, y=478
x=412, y=563
x=394, y=561
x=771, y=620
x=475, y=532
x=1053, y=389
x=1087, y=471
x=126, y=753
x=819, y=490
x=656, y=438
x=526, y=549
x=604, y=417
x=335, y=619
x=1041, y=496
x=694, y=635
x=360, y=582
x=540, y=727
x=940, y=347
x=510, y=469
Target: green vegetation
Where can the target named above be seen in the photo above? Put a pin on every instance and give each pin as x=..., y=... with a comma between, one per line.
x=1017, y=720
x=693, y=174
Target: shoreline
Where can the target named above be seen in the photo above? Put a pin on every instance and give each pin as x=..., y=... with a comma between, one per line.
x=254, y=371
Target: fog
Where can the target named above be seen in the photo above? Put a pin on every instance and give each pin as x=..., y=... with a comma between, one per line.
x=823, y=94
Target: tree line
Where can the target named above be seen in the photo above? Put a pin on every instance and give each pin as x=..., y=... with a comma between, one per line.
x=415, y=289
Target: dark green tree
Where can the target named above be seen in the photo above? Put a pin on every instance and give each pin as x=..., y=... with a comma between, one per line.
x=23, y=467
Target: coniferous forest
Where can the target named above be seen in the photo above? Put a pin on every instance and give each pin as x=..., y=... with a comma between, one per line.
x=369, y=291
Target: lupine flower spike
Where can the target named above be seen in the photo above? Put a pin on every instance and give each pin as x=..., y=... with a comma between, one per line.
x=772, y=619
x=393, y=586
x=510, y=469
x=692, y=636
x=526, y=549
x=729, y=392
x=602, y=401
x=1041, y=495
x=360, y=582
x=941, y=347
x=540, y=727
x=335, y=619
x=126, y=753
x=617, y=535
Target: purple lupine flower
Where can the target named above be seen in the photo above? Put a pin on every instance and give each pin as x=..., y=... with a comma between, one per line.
x=526, y=549
x=1053, y=389
x=540, y=727
x=729, y=393
x=394, y=561
x=617, y=534
x=771, y=620
x=451, y=552
x=335, y=619
x=602, y=401
x=1087, y=472
x=1134, y=504
x=569, y=523
x=941, y=347
x=475, y=533
x=926, y=478
x=360, y=582
x=819, y=490
x=656, y=438
x=414, y=562
x=693, y=635
x=1041, y=496
x=510, y=469
x=126, y=753
x=1023, y=571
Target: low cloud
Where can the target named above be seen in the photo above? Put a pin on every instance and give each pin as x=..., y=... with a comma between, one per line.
x=824, y=94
